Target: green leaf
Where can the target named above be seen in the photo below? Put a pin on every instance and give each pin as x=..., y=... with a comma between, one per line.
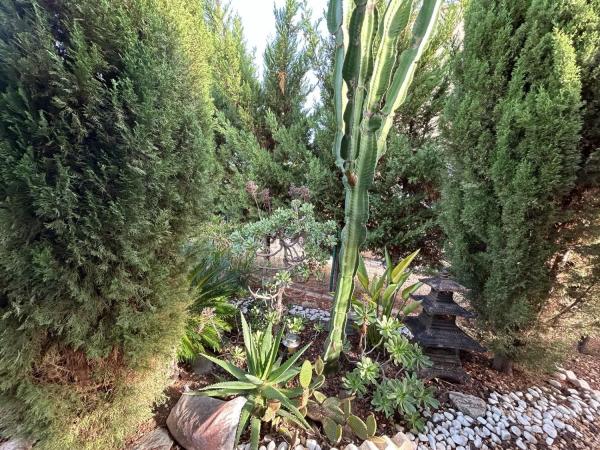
x=358, y=427
x=240, y=385
x=407, y=292
x=306, y=374
x=361, y=273
x=402, y=265
x=249, y=345
x=319, y=366
x=227, y=366
x=410, y=308
x=319, y=396
x=273, y=393
x=333, y=431
x=244, y=417
x=254, y=433
x=371, y=425
x=278, y=375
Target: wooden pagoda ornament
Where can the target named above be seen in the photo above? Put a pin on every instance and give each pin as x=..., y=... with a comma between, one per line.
x=435, y=329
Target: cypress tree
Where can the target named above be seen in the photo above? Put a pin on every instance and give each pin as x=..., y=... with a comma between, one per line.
x=512, y=126
x=105, y=148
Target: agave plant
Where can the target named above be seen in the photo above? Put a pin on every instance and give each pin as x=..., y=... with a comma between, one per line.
x=379, y=306
x=263, y=384
x=371, y=80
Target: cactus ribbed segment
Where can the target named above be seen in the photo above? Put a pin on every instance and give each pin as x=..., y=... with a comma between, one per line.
x=370, y=84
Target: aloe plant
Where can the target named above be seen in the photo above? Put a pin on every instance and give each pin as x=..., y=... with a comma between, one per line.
x=371, y=80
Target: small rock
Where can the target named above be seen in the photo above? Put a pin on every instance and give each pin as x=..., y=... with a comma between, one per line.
x=272, y=445
x=283, y=446
x=351, y=447
x=459, y=439
x=468, y=404
x=581, y=384
x=515, y=430
x=555, y=383
x=311, y=444
x=158, y=439
x=529, y=437
x=550, y=430
x=521, y=444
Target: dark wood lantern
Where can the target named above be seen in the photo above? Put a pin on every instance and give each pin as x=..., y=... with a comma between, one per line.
x=435, y=329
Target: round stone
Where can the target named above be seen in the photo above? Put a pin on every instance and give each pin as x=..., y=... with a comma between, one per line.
x=550, y=430
x=459, y=439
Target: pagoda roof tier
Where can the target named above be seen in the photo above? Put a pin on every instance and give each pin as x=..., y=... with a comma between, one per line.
x=453, y=337
x=434, y=306
x=444, y=284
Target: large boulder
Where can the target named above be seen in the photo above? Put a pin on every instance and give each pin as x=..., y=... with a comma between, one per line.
x=468, y=404
x=202, y=423
x=158, y=439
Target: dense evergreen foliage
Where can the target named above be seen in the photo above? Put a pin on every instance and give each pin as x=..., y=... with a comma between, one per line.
x=105, y=151
x=513, y=127
x=404, y=209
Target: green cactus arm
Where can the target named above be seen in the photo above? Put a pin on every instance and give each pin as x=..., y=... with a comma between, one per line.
x=407, y=65
x=395, y=19
x=338, y=20
x=357, y=69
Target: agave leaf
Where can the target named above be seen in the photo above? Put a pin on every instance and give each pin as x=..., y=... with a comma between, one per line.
x=277, y=375
x=254, y=433
x=249, y=345
x=244, y=417
x=228, y=367
x=239, y=385
x=271, y=392
x=271, y=363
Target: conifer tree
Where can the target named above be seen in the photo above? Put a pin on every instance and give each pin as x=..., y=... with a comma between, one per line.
x=105, y=155
x=512, y=127
x=404, y=202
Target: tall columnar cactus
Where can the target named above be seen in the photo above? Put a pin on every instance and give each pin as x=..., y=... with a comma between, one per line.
x=371, y=80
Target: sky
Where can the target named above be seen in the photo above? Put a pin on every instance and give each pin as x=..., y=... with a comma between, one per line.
x=259, y=23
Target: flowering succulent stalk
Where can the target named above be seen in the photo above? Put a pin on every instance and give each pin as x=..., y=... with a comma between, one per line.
x=371, y=80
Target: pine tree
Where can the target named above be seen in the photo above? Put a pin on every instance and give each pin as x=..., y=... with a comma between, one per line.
x=288, y=59
x=235, y=82
x=105, y=160
x=512, y=127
